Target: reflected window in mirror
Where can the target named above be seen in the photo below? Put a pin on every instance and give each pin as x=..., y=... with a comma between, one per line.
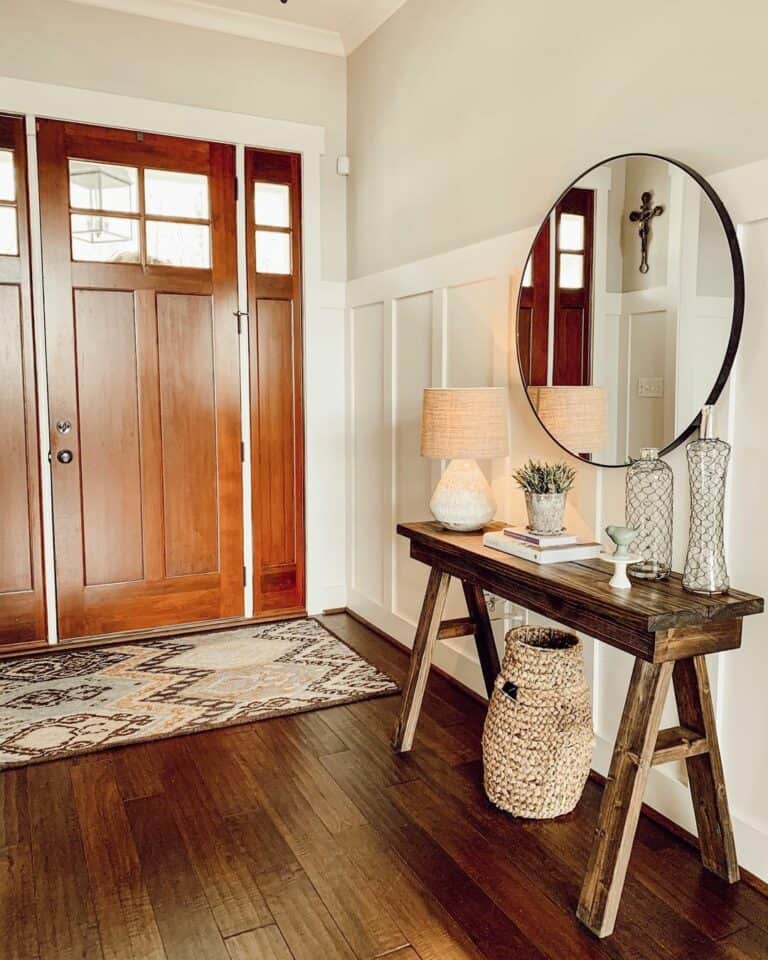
x=651, y=345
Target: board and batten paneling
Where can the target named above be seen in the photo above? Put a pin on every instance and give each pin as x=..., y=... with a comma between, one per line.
x=444, y=321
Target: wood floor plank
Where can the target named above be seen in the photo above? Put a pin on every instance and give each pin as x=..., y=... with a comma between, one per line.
x=229, y=886
x=137, y=771
x=390, y=767
x=267, y=943
x=751, y=942
x=432, y=932
x=407, y=953
x=304, y=921
x=14, y=810
x=126, y=921
x=491, y=930
x=66, y=918
x=314, y=735
x=456, y=744
x=260, y=842
x=18, y=918
x=351, y=899
x=555, y=932
x=220, y=756
x=328, y=801
x=310, y=829
x=184, y=917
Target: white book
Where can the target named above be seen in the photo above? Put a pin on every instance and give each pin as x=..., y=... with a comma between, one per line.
x=541, y=539
x=567, y=553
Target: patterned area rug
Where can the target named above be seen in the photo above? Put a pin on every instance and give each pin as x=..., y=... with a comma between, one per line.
x=90, y=699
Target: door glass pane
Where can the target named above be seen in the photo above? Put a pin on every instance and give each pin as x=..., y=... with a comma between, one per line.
x=7, y=178
x=171, y=194
x=571, y=271
x=178, y=244
x=105, y=239
x=103, y=186
x=273, y=204
x=571, y=233
x=9, y=244
x=273, y=252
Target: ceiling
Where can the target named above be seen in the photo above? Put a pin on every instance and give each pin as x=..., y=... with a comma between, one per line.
x=327, y=26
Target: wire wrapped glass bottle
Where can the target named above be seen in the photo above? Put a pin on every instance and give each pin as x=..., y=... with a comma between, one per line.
x=705, y=568
x=649, y=510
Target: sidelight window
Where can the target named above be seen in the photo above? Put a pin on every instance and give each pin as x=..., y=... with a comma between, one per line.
x=9, y=230
x=570, y=243
x=274, y=236
x=123, y=214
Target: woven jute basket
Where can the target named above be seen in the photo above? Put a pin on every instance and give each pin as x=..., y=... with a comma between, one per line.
x=538, y=739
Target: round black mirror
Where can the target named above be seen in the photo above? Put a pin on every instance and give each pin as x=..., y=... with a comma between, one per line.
x=630, y=309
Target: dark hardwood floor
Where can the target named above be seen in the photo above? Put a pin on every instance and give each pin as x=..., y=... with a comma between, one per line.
x=305, y=838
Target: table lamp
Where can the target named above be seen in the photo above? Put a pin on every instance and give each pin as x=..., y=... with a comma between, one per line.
x=464, y=425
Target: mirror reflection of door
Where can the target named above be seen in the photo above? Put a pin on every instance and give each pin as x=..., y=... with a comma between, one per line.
x=555, y=299
x=571, y=365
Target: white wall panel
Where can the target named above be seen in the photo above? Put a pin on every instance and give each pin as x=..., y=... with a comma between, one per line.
x=372, y=453
x=412, y=371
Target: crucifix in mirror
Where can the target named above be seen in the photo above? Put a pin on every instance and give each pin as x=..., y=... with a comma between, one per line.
x=643, y=216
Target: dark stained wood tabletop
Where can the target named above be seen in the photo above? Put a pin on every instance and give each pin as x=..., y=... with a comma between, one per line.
x=643, y=621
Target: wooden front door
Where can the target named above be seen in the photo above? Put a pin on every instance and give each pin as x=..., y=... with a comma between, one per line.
x=143, y=374
x=273, y=218
x=22, y=604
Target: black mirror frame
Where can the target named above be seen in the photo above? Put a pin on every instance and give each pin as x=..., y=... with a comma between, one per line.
x=738, y=301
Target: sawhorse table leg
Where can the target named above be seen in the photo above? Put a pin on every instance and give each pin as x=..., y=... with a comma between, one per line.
x=432, y=628
x=639, y=746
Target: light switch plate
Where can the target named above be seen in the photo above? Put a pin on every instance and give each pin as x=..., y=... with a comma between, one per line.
x=650, y=387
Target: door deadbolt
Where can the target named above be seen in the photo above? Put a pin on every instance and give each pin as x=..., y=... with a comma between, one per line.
x=64, y=456
x=63, y=426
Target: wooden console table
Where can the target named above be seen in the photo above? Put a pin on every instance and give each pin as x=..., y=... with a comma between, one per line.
x=666, y=630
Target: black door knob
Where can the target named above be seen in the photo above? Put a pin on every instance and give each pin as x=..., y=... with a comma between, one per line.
x=64, y=456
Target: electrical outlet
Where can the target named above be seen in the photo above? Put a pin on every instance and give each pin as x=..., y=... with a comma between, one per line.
x=651, y=388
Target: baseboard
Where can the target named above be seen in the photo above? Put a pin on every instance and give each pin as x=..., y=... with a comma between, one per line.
x=673, y=792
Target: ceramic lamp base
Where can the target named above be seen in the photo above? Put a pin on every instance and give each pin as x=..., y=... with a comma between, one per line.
x=463, y=500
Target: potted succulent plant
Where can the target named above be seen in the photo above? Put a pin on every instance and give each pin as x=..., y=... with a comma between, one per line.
x=546, y=486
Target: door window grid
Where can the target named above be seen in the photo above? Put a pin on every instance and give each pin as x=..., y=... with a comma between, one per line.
x=9, y=229
x=129, y=214
x=570, y=244
x=274, y=234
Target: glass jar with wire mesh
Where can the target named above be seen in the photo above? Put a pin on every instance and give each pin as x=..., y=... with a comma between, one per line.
x=649, y=510
x=705, y=567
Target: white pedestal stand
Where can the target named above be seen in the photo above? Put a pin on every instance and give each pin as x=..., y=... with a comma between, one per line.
x=620, y=580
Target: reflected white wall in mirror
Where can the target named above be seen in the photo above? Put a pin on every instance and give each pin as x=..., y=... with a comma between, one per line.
x=654, y=341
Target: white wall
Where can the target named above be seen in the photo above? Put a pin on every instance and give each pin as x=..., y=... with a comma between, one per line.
x=52, y=41
x=467, y=118
x=445, y=321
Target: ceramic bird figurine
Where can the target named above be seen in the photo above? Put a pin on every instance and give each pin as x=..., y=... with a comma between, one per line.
x=622, y=537
x=621, y=557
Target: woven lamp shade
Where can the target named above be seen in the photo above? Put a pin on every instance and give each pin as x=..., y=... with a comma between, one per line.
x=575, y=416
x=468, y=423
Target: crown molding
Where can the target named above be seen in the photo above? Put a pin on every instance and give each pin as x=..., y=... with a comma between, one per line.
x=193, y=13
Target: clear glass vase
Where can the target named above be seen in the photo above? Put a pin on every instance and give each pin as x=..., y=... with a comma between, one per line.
x=705, y=568
x=649, y=510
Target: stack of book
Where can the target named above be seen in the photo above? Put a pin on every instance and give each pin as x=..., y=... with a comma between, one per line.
x=560, y=547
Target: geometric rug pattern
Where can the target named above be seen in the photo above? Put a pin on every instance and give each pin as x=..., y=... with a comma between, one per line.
x=83, y=700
